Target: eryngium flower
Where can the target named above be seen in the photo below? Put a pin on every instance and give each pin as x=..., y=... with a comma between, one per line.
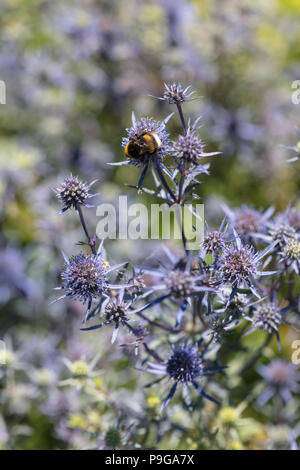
x=188, y=147
x=280, y=233
x=248, y=221
x=213, y=242
x=238, y=264
x=146, y=126
x=84, y=277
x=267, y=317
x=184, y=364
x=176, y=94
x=181, y=284
x=282, y=378
x=290, y=254
x=74, y=192
x=290, y=217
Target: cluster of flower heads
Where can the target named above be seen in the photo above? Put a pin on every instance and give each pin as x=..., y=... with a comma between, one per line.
x=234, y=278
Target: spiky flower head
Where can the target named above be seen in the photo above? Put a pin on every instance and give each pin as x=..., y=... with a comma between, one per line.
x=281, y=378
x=184, y=364
x=84, y=277
x=282, y=232
x=238, y=264
x=181, y=284
x=267, y=317
x=291, y=250
x=290, y=254
x=248, y=220
x=290, y=217
x=146, y=126
x=116, y=312
x=176, y=94
x=73, y=192
x=213, y=242
x=280, y=373
x=189, y=147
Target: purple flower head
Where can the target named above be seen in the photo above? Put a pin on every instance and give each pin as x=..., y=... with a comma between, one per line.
x=290, y=217
x=184, y=364
x=84, y=277
x=267, y=317
x=281, y=232
x=74, y=192
x=290, y=254
x=282, y=378
x=248, y=221
x=189, y=147
x=213, y=242
x=240, y=263
x=176, y=94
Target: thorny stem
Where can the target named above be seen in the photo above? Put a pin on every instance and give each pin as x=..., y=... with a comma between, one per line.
x=91, y=241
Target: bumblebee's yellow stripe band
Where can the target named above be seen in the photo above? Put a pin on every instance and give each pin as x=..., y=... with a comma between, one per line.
x=126, y=151
x=149, y=140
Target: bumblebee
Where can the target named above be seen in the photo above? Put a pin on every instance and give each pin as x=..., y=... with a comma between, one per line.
x=144, y=145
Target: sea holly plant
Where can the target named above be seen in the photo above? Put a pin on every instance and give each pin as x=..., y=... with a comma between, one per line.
x=243, y=276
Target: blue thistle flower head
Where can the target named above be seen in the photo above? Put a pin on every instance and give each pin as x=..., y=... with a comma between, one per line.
x=176, y=94
x=281, y=232
x=290, y=217
x=238, y=264
x=248, y=221
x=145, y=126
x=184, y=364
x=74, y=192
x=290, y=254
x=213, y=242
x=84, y=277
x=267, y=317
x=189, y=147
x=281, y=378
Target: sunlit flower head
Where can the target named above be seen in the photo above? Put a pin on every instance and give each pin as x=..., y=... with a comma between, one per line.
x=290, y=254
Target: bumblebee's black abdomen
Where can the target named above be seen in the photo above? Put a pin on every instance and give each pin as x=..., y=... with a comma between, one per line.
x=133, y=150
x=146, y=144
